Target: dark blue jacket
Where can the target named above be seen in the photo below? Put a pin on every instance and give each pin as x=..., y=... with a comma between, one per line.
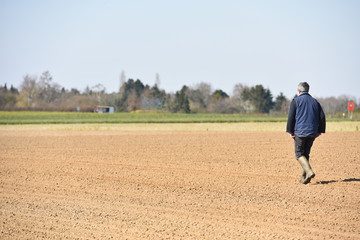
x=306, y=117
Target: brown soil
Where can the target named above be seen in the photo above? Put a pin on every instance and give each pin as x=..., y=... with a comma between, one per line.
x=176, y=185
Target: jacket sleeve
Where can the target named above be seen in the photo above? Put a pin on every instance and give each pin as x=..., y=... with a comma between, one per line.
x=290, y=127
x=322, y=121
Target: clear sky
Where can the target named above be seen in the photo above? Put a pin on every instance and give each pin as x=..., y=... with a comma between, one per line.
x=275, y=43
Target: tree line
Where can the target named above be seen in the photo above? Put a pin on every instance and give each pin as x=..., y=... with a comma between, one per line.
x=43, y=94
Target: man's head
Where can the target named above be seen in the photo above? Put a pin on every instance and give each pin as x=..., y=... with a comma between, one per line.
x=303, y=87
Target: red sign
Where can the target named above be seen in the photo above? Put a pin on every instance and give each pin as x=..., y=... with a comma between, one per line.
x=351, y=106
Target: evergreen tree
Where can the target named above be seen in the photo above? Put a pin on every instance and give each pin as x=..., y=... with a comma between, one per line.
x=182, y=103
x=14, y=90
x=259, y=97
x=219, y=94
x=279, y=101
x=139, y=87
x=129, y=94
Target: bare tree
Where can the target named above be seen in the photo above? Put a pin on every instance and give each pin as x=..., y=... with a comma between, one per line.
x=98, y=91
x=122, y=79
x=199, y=96
x=133, y=102
x=243, y=106
x=28, y=89
x=48, y=90
x=157, y=80
x=221, y=103
x=45, y=79
x=333, y=105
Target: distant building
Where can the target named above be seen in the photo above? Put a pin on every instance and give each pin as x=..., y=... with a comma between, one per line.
x=104, y=109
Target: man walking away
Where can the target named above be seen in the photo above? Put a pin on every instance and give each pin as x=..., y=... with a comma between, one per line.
x=306, y=121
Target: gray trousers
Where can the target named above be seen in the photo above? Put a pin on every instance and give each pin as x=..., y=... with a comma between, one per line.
x=303, y=146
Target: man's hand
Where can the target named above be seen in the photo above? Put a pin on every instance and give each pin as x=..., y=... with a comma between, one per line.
x=292, y=135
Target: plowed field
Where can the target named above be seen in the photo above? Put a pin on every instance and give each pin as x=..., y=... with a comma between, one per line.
x=176, y=185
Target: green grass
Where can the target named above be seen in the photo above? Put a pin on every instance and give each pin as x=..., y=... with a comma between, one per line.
x=31, y=117
x=80, y=118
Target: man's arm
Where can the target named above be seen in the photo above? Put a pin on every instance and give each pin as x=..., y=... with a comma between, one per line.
x=291, y=119
x=322, y=121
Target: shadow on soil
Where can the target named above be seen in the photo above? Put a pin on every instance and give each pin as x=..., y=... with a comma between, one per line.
x=334, y=181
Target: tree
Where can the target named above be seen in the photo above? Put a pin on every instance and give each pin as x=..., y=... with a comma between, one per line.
x=219, y=94
x=139, y=87
x=122, y=79
x=333, y=105
x=279, y=103
x=221, y=103
x=243, y=106
x=259, y=97
x=87, y=90
x=199, y=97
x=133, y=102
x=153, y=98
x=130, y=88
x=44, y=87
x=99, y=91
x=157, y=80
x=49, y=91
x=74, y=92
x=28, y=89
x=10, y=100
x=182, y=101
x=3, y=91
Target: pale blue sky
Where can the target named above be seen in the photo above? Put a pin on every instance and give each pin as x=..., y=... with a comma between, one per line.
x=273, y=43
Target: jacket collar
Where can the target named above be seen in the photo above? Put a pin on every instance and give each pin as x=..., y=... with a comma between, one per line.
x=304, y=93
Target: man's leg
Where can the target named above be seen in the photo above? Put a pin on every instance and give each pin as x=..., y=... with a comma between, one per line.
x=298, y=153
x=309, y=174
x=302, y=151
x=307, y=146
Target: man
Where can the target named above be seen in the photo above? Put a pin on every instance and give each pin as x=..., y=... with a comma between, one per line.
x=306, y=121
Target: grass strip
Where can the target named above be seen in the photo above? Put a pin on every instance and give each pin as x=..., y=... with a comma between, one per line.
x=81, y=118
